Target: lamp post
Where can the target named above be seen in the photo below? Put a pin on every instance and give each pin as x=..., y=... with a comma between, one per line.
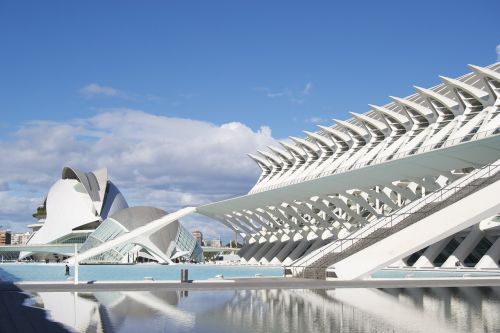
x=76, y=266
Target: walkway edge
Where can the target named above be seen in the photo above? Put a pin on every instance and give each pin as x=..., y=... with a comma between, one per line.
x=250, y=283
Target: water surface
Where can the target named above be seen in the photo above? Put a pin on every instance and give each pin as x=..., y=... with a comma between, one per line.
x=340, y=310
x=55, y=272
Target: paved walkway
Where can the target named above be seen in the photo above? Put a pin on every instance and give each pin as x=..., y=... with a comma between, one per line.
x=251, y=283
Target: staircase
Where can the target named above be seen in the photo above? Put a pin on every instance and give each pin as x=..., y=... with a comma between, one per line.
x=314, y=265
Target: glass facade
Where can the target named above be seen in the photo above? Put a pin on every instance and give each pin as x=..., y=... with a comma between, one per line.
x=197, y=254
x=186, y=242
x=78, y=239
x=108, y=230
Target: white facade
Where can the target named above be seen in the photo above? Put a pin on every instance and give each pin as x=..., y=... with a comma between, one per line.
x=331, y=183
x=413, y=182
x=163, y=245
x=87, y=209
x=418, y=160
x=74, y=207
x=20, y=238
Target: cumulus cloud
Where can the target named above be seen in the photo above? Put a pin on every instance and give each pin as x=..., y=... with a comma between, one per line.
x=155, y=160
x=93, y=89
x=16, y=209
x=4, y=186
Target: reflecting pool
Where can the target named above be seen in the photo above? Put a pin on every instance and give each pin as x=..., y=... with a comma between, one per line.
x=340, y=310
x=55, y=272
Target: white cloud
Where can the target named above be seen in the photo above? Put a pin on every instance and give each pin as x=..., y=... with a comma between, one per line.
x=16, y=211
x=498, y=52
x=307, y=88
x=94, y=89
x=315, y=120
x=4, y=186
x=155, y=160
x=295, y=97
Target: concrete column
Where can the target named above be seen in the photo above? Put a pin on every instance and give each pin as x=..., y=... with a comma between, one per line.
x=490, y=259
x=431, y=253
x=270, y=241
x=465, y=248
x=256, y=247
x=446, y=222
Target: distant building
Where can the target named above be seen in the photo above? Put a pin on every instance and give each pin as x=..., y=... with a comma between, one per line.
x=198, y=235
x=20, y=238
x=5, y=237
x=213, y=243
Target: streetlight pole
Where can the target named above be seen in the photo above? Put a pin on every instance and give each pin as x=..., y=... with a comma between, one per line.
x=76, y=266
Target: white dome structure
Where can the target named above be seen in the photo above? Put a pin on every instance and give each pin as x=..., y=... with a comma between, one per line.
x=87, y=209
x=165, y=245
x=74, y=207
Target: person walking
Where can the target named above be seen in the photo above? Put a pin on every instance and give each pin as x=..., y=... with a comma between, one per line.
x=67, y=270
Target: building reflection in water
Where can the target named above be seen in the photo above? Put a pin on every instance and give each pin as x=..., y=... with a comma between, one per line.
x=339, y=310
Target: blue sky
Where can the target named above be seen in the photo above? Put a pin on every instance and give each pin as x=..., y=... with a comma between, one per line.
x=284, y=65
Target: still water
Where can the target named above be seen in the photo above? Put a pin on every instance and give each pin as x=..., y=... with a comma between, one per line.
x=340, y=310
x=55, y=272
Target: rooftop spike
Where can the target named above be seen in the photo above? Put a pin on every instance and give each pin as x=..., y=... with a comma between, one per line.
x=271, y=157
x=337, y=134
x=401, y=119
x=480, y=95
x=315, y=136
x=355, y=128
x=312, y=148
x=381, y=126
x=486, y=72
x=298, y=152
x=449, y=103
x=422, y=110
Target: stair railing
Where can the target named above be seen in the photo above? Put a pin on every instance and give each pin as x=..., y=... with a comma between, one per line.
x=387, y=222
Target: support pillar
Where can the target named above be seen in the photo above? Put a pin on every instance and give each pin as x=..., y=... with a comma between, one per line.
x=465, y=247
x=490, y=259
x=431, y=253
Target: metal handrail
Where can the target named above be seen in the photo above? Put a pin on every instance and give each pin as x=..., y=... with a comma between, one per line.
x=400, y=215
x=381, y=159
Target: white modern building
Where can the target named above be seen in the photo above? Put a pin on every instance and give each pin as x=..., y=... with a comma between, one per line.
x=165, y=245
x=87, y=209
x=412, y=183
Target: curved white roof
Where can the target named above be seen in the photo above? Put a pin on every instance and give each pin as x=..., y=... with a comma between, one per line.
x=77, y=202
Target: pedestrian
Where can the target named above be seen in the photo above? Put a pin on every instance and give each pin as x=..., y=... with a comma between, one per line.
x=67, y=270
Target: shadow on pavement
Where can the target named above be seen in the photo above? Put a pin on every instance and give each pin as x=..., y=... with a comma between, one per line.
x=16, y=315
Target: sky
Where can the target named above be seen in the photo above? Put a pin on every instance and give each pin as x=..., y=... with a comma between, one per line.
x=171, y=95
